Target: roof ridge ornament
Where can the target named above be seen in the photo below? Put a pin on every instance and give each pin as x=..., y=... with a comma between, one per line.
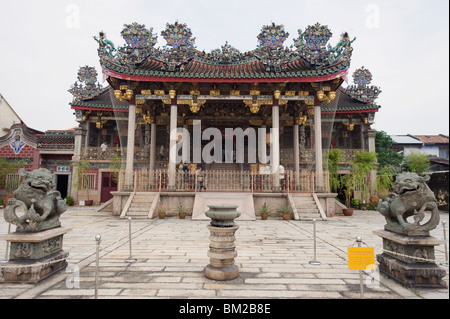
x=105, y=47
x=225, y=54
x=137, y=36
x=312, y=46
x=88, y=76
x=361, y=90
x=178, y=35
x=272, y=36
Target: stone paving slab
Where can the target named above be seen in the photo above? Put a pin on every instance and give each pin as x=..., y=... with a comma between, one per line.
x=273, y=257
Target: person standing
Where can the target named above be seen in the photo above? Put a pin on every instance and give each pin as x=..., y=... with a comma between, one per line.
x=103, y=149
x=200, y=179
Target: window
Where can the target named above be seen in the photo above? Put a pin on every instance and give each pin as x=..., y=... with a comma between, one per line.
x=88, y=181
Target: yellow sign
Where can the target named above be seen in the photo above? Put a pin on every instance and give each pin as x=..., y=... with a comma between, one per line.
x=360, y=257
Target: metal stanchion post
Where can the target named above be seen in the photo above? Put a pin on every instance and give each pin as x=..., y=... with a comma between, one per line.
x=314, y=262
x=7, y=247
x=98, y=239
x=130, y=259
x=445, y=246
x=359, y=240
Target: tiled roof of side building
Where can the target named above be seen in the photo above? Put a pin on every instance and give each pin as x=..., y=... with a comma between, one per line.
x=433, y=139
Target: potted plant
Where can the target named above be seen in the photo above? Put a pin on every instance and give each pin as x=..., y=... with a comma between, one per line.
x=264, y=211
x=69, y=200
x=181, y=210
x=285, y=212
x=161, y=213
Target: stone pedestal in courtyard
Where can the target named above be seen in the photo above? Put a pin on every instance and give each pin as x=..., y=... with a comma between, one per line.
x=34, y=256
x=410, y=260
x=408, y=249
x=222, y=249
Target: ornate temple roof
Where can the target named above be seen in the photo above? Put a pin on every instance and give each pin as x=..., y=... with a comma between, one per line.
x=356, y=98
x=310, y=58
x=104, y=101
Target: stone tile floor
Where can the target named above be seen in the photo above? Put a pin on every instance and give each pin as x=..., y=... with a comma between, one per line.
x=273, y=258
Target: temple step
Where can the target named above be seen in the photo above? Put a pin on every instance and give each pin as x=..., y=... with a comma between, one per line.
x=306, y=207
x=141, y=205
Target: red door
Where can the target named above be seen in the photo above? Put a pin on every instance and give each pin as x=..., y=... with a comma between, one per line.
x=108, y=186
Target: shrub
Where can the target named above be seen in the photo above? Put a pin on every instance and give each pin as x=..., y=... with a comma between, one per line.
x=69, y=200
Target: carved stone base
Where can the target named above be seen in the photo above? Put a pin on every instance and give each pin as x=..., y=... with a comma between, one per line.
x=33, y=271
x=225, y=273
x=410, y=259
x=34, y=256
x=424, y=275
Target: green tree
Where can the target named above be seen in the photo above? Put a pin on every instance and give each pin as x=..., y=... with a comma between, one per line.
x=331, y=163
x=9, y=167
x=360, y=166
x=385, y=155
x=417, y=162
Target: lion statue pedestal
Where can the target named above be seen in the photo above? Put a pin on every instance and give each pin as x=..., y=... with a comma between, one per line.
x=36, y=245
x=408, y=249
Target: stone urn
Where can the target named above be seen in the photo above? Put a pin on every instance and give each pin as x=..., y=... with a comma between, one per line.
x=222, y=248
x=222, y=215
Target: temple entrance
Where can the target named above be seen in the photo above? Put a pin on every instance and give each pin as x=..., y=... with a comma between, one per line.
x=62, y=183
x=108, y=186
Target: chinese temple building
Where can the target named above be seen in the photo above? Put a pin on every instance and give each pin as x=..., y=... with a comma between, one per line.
x=257, y=122
x=32, y=149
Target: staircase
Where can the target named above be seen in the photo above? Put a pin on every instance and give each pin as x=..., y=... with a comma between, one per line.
x=141, y=205
x=306, y=206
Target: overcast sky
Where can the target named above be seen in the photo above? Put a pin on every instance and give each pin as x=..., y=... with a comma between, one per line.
x=403, y=43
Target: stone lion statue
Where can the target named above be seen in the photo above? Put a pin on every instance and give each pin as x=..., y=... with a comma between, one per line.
x=411, y=198
x=37, y=198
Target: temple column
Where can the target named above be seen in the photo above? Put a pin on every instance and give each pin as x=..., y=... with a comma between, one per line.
x=130, y=147
x=318, y=147
x=173, y=142
x=152, y=153
x=76, y=158
x=87, y=136
x=276, y=145
x=296, y=158
x=152, y=146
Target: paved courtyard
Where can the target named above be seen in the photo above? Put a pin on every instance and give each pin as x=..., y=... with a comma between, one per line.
x=273, y=258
